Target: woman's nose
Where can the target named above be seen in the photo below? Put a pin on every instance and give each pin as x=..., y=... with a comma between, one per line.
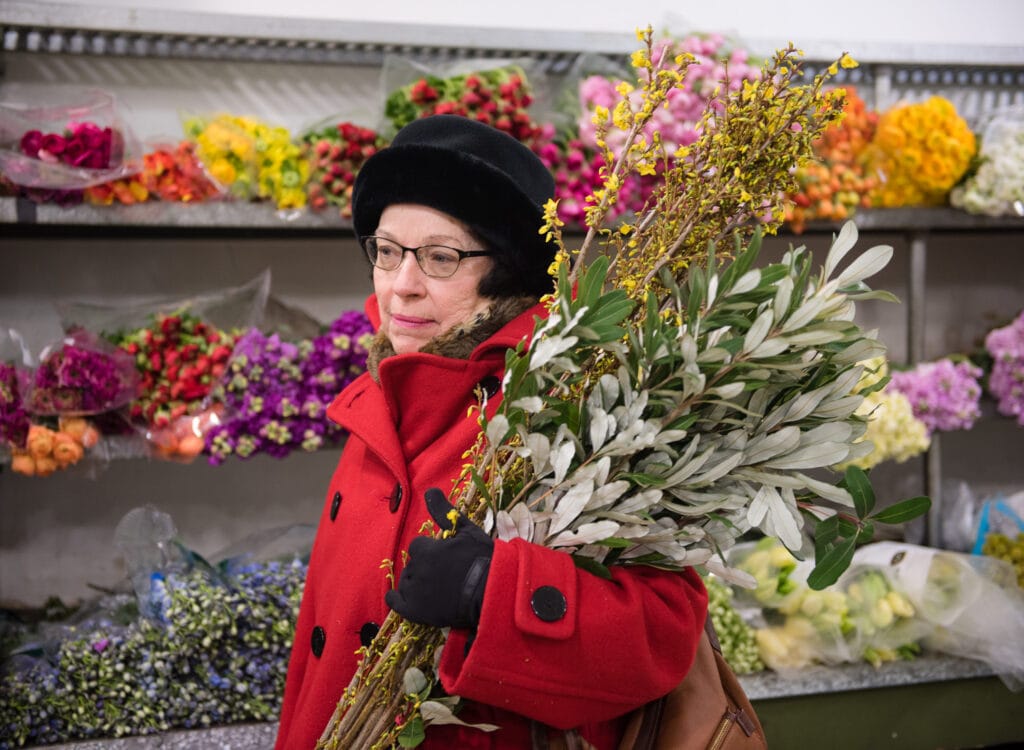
x=408, y=276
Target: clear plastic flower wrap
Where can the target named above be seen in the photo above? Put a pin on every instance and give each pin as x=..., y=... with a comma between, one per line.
x=862, y=617
x=70, y=144
x=180, y=347
x=971, y=603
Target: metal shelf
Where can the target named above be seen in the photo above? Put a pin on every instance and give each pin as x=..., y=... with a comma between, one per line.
x=232, y=215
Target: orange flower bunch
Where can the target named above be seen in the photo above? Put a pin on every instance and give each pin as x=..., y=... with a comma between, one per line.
x=48, y=450
x=168, y=174
x=834, y=184
x=920, y=152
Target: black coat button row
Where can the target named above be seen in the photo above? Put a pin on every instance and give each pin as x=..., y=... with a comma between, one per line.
x=335, y=504
x=396, y=498
x=317, y=641
x=548, y=603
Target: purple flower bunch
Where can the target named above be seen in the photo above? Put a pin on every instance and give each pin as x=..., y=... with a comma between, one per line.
x=83, y=375
x=943, y=394
x=14, y=420
x=1006, y=381
x=276, y=393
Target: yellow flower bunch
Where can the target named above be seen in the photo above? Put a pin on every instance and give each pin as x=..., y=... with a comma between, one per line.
x=252, y=159
x=920, y=152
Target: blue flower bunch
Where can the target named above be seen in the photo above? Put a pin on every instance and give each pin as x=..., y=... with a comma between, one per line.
x=215, y=652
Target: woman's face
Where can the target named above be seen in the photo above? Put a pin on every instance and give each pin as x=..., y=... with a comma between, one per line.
x=414, y=307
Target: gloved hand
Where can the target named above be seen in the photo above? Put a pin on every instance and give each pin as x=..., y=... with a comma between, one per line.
x=443, y=581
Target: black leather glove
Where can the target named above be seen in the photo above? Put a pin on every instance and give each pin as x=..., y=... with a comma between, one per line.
x=443, y=581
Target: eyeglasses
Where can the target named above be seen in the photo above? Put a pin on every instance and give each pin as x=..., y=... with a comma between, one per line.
x=438, y=261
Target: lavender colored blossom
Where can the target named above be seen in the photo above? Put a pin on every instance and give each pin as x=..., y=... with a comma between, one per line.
x=1006, y=381
x=944, y=395
x=276, y=392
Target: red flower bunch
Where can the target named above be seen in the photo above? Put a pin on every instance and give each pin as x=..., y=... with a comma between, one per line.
x=179, y=359
x=498, y=97
x=335, y=155
x=168, y=174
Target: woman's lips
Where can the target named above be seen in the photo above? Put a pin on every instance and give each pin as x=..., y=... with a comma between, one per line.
x=408, y=321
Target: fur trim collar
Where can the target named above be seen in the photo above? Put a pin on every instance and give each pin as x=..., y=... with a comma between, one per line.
x=460, y=341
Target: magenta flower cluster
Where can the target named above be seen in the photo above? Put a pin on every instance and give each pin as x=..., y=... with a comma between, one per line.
x=84, y=375
x=14, y=420
x=82, y=145
x=275, y=393
x=1006, y=381
x=943, y=394
x=577, y=172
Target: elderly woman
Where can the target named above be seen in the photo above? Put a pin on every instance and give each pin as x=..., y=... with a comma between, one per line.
x=448, y=216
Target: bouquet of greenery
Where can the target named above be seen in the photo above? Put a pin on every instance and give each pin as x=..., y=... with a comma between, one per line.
x=670, y=401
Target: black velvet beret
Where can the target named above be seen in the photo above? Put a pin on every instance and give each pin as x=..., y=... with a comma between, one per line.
x=477, y=174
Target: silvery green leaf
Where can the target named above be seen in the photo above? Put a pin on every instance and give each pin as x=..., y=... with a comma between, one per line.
x=714, y=354
x=860, y=449
x=830, y=432
x=717, y=471
x=671, y=438
x=759, y=506
x=687, y=465
x=811, y=457
x=804, y=314
x=547, y=348
x=588, y=533
x=732, y=576
x=568, y=507
x=435, y=712
x=783, y=519
x=734, y=440
x=825, y=489
x=688, y=348
x=639, y=501
x=747, y=282
x=758, y=330
x=529, y=404
x=414, y=681
x=601, y=427
x=712, y=291
x=564, y=455
x=867, y=265
x=771, y=445
x=881, y=294
x=505, y=526
x=783, y=296
x=805, y=403
x=840, y=247
x=539, y=451
x=772, y=347
x=606, y=494
x=820, y=512
x=843, y=385
x=496, y=429
x=813, y=337
x=860, y=351
x=728, y=391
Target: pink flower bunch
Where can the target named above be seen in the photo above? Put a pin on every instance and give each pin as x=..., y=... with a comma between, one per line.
x=944, y=395
x=1006, y=381
x=677, y=122
x=577, y=172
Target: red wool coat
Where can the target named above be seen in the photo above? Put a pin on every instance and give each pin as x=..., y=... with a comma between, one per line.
x=618, y=644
